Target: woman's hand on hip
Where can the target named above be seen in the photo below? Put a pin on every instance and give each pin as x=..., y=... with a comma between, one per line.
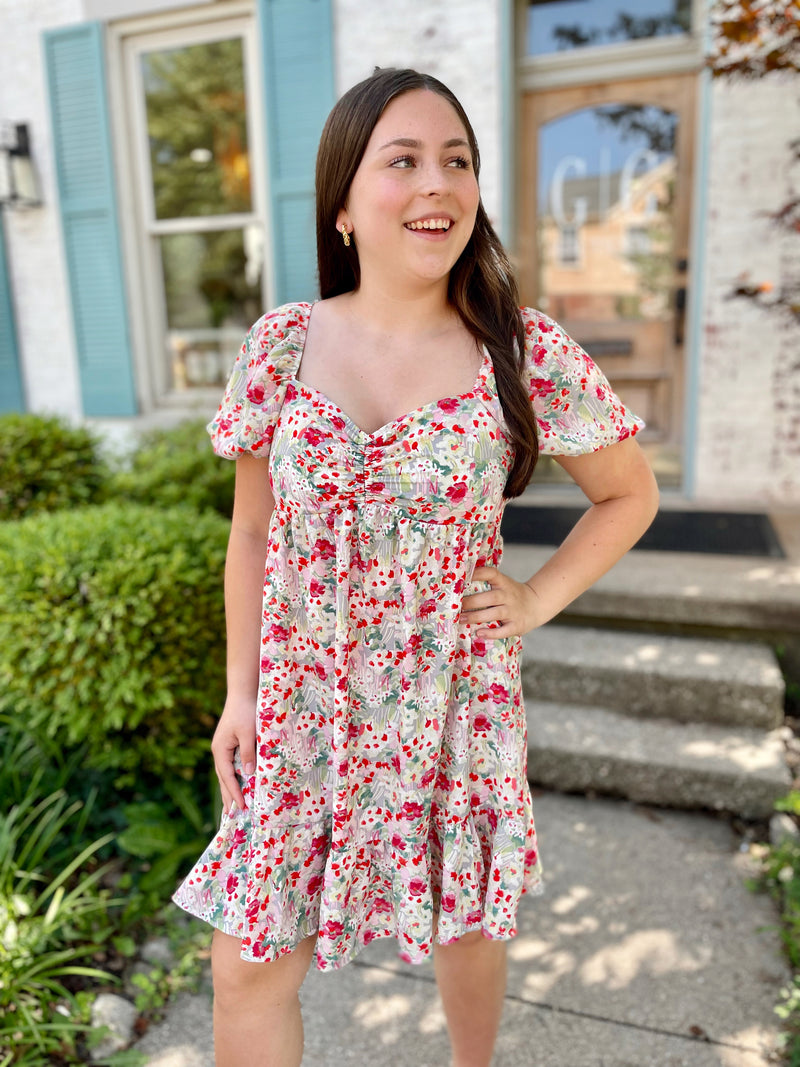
x=507, y=609
x=235, y=729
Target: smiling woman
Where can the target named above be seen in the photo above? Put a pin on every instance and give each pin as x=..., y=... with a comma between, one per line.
x=372, y=749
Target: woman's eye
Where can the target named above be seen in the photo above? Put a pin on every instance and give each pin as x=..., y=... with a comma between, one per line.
x=459, y=162
x=402, y=161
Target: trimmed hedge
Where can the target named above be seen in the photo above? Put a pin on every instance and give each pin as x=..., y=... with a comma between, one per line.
x=46, y=464
x=177, y=466
x=112, y=632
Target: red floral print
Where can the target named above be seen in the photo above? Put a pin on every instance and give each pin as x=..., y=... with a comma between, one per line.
x=390, y=778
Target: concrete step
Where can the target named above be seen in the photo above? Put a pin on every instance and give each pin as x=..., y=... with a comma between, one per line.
x=683, y=678
x=684, y=591
x=656, y=761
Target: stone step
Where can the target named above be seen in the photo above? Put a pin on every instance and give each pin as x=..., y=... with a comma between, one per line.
x=684, y=591
x=656, y=761
x=683, y=678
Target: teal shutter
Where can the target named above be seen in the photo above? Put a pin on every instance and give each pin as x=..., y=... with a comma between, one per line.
x=11, y=394
x=297, y=61
x=75, y=66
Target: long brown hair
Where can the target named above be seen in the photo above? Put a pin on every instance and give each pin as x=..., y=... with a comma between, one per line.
x=481, y=286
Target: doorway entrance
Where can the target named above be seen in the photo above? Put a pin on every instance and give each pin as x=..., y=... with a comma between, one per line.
x=603, y=243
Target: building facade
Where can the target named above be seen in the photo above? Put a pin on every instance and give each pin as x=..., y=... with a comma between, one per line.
x=174, y=147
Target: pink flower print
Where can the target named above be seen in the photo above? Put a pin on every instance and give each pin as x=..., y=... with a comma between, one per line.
x=278, y=632
x=312, y=435
x=324, y=549
x=231, y=884
x=318, y=845
x=456, y=492
x=332, y=928
x=449, y=405
x=499, y=693
x=481, y=723
x=448, y=903
x=290, y=800
x=412, y=810
x=315, y=884
x=316, y=587
x=255, y=392
x=542, y=386
x=417, y=887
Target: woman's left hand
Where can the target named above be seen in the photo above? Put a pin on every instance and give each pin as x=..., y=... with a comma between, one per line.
x=514, y=605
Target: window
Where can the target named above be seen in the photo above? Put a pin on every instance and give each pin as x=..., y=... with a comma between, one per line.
x=561, y=25
x=200, y=198
x=568, y=244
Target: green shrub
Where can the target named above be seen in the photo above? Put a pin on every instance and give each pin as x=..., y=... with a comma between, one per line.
x=53, y=919
x=177, y=466
x=112, y=633
x=45, y=464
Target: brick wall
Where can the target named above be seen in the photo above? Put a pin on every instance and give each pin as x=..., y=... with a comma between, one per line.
x=44, y=326
x=455, y=42
x=749, y=404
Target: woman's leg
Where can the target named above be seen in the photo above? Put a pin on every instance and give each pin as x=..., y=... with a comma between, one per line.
x=257, y=1017
x=471, y=975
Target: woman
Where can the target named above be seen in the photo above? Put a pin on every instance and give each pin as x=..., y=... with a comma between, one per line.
x=372, y=753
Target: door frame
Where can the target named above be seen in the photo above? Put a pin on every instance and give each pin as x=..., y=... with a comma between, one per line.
x=612, y=65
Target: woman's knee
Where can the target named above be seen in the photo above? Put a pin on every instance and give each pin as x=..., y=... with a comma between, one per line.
x=232, y=976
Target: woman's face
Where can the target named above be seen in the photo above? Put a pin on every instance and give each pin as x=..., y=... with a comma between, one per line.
x=416, y=168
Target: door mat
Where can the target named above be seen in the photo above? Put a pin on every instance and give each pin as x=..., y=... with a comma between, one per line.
x=718, y=532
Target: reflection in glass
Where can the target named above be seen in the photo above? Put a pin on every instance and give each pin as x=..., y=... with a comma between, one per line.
x=559, y=25
x=606, y=190
x=606, y=237
x=196, y=124
x=212, y=284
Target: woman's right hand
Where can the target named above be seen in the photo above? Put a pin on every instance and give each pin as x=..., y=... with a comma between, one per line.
x=235, y=729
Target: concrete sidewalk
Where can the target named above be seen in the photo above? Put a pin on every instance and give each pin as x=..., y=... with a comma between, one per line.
x=646, y=950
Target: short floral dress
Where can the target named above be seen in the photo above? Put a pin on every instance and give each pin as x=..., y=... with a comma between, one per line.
x=390, y=781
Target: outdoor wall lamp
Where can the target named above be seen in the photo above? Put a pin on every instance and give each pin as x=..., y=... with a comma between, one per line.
x=19, y=186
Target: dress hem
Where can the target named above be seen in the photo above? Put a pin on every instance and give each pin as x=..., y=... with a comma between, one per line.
x=535, y=890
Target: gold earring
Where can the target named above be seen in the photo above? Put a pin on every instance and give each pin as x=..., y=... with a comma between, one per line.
x=345, y=236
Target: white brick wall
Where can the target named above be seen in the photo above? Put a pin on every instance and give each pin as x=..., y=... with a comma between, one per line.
x=749, y=409
x=458, y=43
x=33, y=236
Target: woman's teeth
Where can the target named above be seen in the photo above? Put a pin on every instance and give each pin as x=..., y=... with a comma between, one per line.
x=429, y=224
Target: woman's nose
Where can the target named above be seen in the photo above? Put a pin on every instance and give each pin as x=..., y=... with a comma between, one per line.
x=433, y=178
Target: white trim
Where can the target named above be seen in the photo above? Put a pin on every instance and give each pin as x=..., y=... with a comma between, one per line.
x=140, y=230
x=650, y=57
x=187, y=16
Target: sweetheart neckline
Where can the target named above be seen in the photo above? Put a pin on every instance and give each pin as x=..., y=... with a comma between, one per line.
x=376, y=435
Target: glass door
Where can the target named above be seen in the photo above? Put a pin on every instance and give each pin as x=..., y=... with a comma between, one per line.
x=604, y=236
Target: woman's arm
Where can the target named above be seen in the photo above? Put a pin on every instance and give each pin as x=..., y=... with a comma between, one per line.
x=244, y=581
x=621, y=486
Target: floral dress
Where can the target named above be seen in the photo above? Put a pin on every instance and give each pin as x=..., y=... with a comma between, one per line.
x=390, y=780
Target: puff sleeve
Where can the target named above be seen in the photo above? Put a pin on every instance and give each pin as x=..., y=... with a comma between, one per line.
x=576, y=409
x=245, y=420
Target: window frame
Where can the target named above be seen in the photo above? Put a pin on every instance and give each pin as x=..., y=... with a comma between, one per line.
x=615, y=61
x=141, y=230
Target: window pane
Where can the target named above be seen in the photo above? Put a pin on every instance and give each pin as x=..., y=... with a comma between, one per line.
x=559, y=25
x=212, y=284
x=606, y=238
x=197, y=129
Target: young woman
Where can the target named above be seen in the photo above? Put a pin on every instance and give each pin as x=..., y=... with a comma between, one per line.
x=372, y=749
